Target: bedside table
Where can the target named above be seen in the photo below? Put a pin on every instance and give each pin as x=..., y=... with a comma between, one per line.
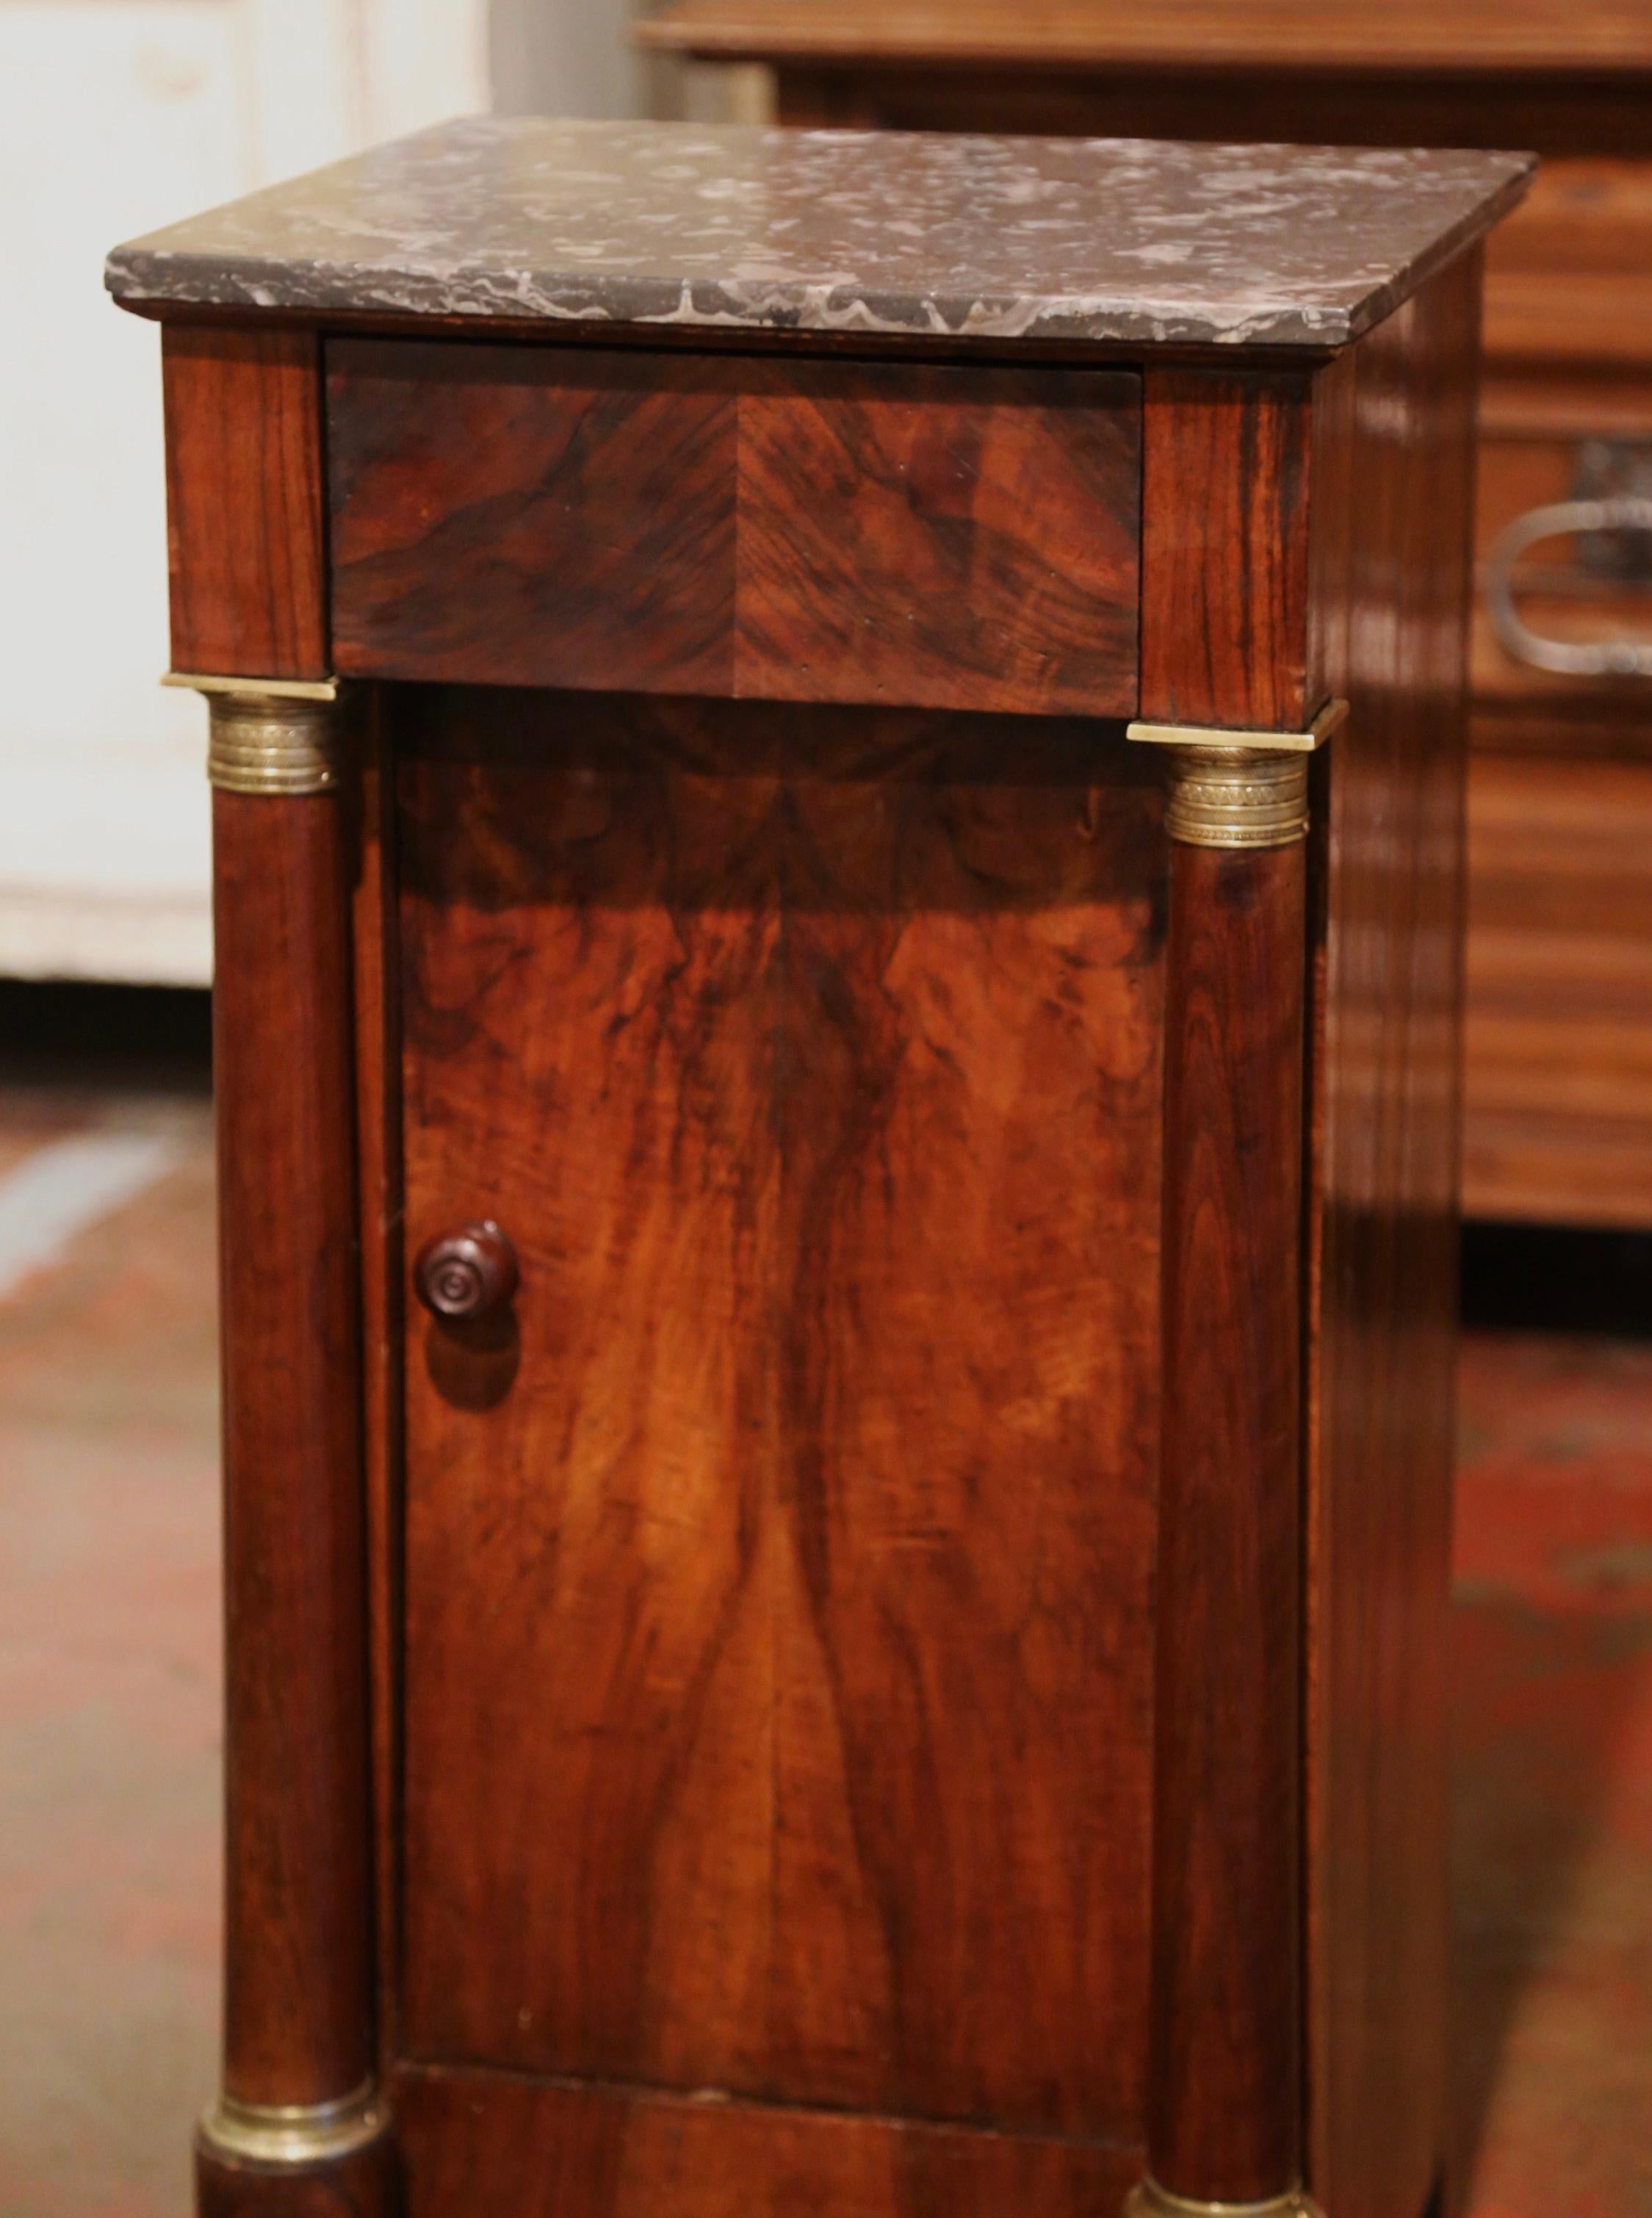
x=839, y=771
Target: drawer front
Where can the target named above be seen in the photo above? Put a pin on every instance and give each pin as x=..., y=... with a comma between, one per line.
x=777, y=1569
x=1558, y=1044
x=940, y=538
x=1590, y=592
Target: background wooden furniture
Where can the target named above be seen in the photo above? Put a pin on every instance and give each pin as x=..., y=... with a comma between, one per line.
x=1558, y=1078
x=839, y=1109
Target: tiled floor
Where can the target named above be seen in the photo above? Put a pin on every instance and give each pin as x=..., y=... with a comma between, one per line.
x=109, y=1716
x=109, y=1730
x=1554, y=1778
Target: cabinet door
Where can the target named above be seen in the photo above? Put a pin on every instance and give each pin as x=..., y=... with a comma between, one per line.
x=778, y=1564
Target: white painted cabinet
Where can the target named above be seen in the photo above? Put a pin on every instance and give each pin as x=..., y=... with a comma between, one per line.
x=117, y=116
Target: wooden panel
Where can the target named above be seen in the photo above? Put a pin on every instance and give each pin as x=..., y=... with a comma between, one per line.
x=778, y=1699
x=1225, y=642
x=1392, y=490
x=1554, y=113
x=941, y=538
x=1486, y=35
x=1558, y=1060
x=486, y=2145
x=1582, y=215
x=243, y=498
x=922, y=538
x=502, y=515
x=1225, y=2106
x=1567, y=274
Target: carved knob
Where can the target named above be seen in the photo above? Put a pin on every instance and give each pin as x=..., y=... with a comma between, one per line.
x=466, y=1275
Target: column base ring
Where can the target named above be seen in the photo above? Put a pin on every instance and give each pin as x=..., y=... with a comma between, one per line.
x=1149, y=2199
x=293, y=2134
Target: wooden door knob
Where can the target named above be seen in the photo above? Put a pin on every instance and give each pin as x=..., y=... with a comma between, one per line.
x=466, y=1275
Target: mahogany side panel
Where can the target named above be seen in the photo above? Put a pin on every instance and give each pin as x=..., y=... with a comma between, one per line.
x=475, y=2142
x=244, y=496
x=1224, y=641
x=1225, y=2083
x=941, y=540
x=1394, y=487
x=778, y=1577
x=298, y=2011
x=503, y=517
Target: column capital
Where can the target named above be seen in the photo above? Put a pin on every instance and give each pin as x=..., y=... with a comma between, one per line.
x=270, y=735
x=1238, y=788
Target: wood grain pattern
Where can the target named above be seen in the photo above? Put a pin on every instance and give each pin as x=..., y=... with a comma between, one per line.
x=941, y=540
x=778, y=1664
x=1482, y=34
x=476, y=2143
x=1224, y=641
x=1225, y=2109
x=1181, y=98
x=922, y=538
x=243, y=498
x=501, y=517
x=1557, y=1052
x=1394, y=470
x=298, y=2009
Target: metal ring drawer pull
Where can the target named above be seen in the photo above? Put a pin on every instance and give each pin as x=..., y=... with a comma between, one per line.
x=1613, y=657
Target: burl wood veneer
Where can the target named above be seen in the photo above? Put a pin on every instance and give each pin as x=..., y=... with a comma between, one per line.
x=839, y=857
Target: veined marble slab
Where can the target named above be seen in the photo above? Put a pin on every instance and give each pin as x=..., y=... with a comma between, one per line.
x=941, y=237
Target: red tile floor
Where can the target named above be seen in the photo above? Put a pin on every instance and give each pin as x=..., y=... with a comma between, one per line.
x=109, y=1730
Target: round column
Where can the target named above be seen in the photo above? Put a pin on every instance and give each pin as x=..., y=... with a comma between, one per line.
x=299, y=2127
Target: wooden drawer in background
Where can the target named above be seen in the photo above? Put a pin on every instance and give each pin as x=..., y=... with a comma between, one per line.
x=1558, y=1038
x=1558, y=1081
x=1566, y=588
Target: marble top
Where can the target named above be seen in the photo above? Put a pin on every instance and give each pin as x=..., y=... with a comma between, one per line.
x=894, y=232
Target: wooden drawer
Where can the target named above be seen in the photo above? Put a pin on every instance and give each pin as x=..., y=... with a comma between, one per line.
x=922, y=538
x=1558, y=1045
x=1560, y=594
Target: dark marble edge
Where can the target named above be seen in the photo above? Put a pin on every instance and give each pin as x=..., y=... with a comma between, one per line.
x=313, y=290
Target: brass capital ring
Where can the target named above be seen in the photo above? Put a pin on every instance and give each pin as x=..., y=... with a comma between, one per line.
x=262, y=743
x=293, y=2134
x=1238, y=788
x=1233, y=797
x=270, y=735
